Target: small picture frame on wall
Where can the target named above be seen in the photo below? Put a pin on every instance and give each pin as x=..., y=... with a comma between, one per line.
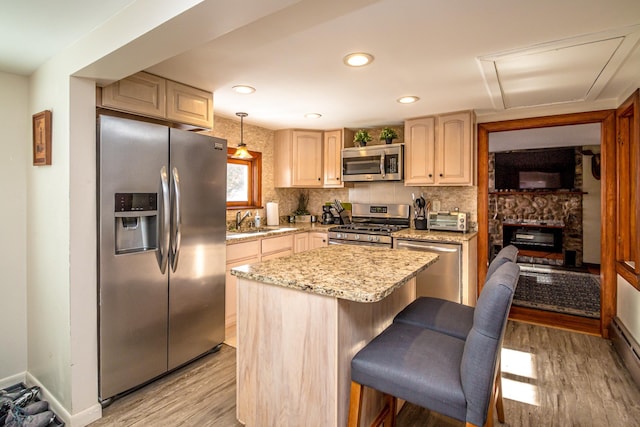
x=42, y=138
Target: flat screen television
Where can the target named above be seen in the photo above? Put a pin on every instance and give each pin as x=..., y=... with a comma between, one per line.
x=548, y=169
x=541, y=180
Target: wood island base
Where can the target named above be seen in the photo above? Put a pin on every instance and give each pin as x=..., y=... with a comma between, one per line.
x=295, y=349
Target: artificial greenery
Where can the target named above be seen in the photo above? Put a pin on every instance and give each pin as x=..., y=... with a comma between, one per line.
x=362, y=136
x=303, y=202
x=388, y=133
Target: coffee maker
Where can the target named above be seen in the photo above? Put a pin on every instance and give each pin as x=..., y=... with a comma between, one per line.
x=327, y=216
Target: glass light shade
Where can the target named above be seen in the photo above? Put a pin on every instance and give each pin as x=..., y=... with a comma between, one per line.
x=242, y=152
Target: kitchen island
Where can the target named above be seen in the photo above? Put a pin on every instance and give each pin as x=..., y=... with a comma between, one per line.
x=302, y=318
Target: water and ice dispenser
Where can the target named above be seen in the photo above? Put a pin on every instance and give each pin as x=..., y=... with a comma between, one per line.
x=136, y=222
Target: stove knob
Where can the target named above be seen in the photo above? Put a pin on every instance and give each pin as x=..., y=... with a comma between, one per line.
x=376, y=238
x=370, y=238
x=356, y=237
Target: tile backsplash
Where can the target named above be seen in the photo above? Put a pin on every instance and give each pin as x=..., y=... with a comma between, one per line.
x=464, y=199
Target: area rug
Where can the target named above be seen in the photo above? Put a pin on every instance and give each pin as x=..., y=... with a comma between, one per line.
x=559, y=291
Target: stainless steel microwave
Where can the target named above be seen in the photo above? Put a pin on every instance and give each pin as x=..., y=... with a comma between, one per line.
x=373, y=163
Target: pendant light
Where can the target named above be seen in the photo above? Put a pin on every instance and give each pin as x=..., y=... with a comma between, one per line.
x=241, y=150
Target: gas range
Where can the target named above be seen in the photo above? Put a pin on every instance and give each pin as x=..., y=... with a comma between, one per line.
x=372, y=225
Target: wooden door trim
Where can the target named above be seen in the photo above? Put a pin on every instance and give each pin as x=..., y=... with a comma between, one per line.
x=607, y=202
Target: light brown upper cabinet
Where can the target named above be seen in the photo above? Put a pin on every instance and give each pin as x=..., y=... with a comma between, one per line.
x=152, y=96
x=334, y=142
x=298, y=158
x=440, y=150
x=186, y=104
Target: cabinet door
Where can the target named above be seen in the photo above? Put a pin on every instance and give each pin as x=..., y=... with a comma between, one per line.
x=141, y=93
x=307, y=159
x=237, y=254
x=300, y=242
x=419, y=135
x=186, y=104
x=277, y=244
x=282, y=158
x=454, y=149
x=331, y=166
x=318, y=240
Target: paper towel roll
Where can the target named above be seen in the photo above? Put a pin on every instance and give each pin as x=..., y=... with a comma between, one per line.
x=273, y=217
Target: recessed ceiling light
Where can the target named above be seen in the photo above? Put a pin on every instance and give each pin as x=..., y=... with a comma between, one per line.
x=313, y=115
x=408, y=99
x=358, y=59
x=244, y=89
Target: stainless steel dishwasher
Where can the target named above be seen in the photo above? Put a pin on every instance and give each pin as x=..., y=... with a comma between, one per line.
x=444, y=278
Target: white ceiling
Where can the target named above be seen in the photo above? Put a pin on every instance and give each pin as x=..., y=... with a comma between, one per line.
x=542, y=53
x=32, y=31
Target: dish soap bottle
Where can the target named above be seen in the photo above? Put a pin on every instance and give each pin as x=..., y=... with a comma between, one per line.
x=257, y=219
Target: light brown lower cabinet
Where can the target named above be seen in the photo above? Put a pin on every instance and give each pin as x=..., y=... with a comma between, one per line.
x=237, y=254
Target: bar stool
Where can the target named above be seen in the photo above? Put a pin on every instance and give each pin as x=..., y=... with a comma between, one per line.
x=446, y=316
x=453, y=376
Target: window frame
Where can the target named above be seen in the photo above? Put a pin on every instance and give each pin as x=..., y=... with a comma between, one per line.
x=255, y=180
x=628, y=189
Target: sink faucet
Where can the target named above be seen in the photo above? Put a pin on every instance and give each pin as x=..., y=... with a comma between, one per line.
x=240, y=218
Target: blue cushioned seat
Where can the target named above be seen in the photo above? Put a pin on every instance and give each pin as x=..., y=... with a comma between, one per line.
x=418, y=365
x=439, y=315
x=454, y=376
x=445, y=316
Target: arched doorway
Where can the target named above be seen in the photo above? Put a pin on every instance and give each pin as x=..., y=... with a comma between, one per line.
x=608, y=277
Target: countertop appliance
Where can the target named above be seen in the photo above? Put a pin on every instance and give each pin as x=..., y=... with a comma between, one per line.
x=373, y=163
x=161, y=251
x=444, y=278
x=372, y=225
x=448, y=221
x=327, y=215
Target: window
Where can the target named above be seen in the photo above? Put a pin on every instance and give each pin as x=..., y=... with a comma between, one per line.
x=244, y=181
x=628, y=186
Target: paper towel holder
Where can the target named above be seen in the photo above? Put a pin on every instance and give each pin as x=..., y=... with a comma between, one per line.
x=273, y=215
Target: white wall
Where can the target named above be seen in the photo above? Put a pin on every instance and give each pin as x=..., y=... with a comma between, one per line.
x=590, y=211
x=15, y=160
x=48, y=242
x=629, y=307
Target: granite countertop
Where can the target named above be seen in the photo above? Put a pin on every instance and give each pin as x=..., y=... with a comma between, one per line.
x=434, y=236
x=272, y=231
x=355, y=273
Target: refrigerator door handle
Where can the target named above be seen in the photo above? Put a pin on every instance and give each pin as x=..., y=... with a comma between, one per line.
x=177, y=218
x=162, y=254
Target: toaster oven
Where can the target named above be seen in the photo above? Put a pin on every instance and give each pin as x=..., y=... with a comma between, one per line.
x=448, y=221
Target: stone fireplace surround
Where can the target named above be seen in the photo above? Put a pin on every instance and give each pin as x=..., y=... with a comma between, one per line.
x=539, y=206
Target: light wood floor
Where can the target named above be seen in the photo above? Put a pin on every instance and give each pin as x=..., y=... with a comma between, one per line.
x=551, y=377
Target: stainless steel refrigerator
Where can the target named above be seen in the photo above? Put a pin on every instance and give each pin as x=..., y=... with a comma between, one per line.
x=161, y=251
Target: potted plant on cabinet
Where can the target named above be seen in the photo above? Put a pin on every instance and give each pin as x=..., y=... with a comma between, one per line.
x=361, y=138
x=302, y=213
x=388, y=135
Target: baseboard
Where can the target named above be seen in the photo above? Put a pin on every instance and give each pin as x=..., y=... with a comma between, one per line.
x=80, y=419
x=12, y=380
x=627, y=347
